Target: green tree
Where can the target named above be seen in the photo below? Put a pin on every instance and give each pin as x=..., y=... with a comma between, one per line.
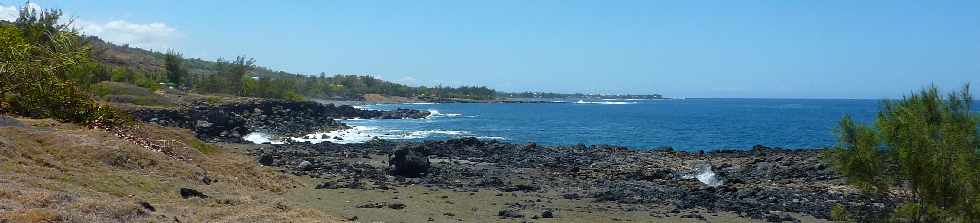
x=176, y=73
x=37, y=56
x=233, y=72
x=925, y=141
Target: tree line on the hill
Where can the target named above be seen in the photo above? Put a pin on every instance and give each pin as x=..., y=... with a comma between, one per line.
x=243, y=78
x=239, y=77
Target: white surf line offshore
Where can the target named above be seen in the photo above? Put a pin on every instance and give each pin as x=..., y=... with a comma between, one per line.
x=360, y=134
x=605, y=102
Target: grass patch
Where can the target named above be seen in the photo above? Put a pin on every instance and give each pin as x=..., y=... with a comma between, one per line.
x=202, y=147
x=117, y=92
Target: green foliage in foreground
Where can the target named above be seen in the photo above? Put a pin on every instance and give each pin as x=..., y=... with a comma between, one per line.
x=925, y=145
x=37, y=54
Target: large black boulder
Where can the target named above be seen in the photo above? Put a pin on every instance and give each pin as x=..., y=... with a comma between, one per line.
x=410, y=162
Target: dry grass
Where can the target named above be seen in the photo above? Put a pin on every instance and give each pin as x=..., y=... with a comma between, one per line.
x=55, y=172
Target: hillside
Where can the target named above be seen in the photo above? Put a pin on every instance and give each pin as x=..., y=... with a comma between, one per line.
x=204, y=76
x=59, y=172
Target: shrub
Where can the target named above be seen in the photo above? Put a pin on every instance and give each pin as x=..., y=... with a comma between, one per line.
x=839, y=213
x=36, y=55
x=925, y=141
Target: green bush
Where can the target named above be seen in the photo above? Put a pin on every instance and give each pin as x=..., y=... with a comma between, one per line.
x=925, y=141
x=839, y=213
x=37, y=55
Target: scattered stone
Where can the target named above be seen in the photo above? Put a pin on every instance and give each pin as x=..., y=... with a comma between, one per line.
x=780, y=180
x=571, y=196
x=147, y=206
x=510, y=213
x=189, y=193
x=547, y=214
x=206, y=180
x=371, y=205
x=396, y=206
x=326, y=185
x=695, y=216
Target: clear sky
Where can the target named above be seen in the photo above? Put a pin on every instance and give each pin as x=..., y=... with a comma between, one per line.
x=782, y=49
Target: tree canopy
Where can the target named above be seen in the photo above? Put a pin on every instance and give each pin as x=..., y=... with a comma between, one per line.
x=925, y=145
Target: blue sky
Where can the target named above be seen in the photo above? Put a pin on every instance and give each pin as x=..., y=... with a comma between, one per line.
x=783, y=49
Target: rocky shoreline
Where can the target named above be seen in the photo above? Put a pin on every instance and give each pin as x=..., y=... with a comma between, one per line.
x=229, y=122
x=762, y=183
x=770, y=184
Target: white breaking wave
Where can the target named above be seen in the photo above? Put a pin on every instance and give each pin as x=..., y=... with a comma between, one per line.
x=360, y=134
x=605, y=102
x=436, y=113
x=356, y=134
x=705, y=176
x=427, y=133
x=260, y=138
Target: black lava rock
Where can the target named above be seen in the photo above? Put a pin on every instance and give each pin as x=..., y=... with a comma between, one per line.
x=410, y=162
x=547, y=214
x=147, y=206
x=396, y=206
x=266, y=159
x=189, y=193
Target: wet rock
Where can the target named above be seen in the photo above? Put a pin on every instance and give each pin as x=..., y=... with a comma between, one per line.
x=189, y=193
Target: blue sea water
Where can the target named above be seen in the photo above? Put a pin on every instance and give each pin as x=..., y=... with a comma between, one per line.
x=684, y=124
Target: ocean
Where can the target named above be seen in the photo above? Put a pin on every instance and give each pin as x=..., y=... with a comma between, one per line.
x=683, y=124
